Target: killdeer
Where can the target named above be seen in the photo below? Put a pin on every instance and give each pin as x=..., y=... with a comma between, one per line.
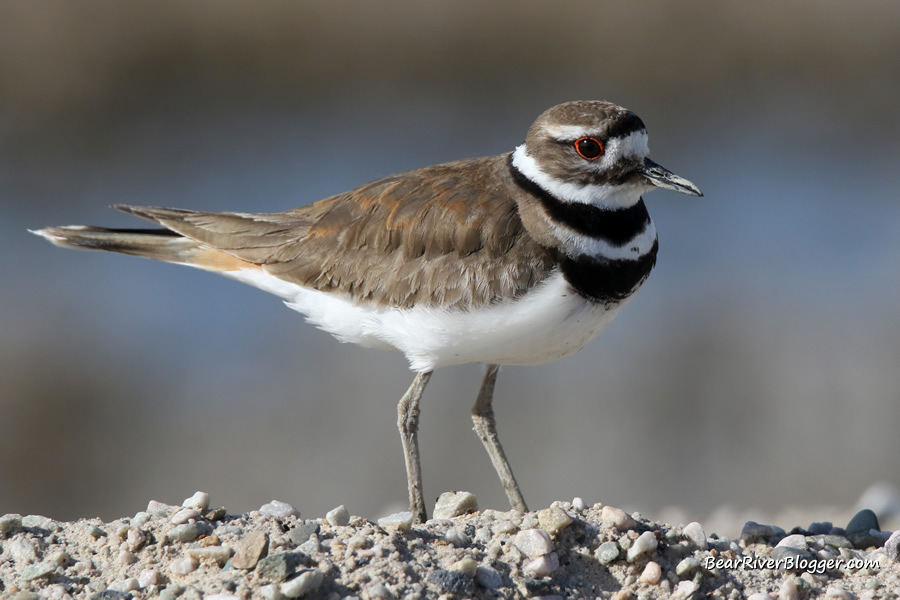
x=516, y=259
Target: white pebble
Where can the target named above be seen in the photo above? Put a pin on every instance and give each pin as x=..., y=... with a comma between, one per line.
x=135, y=538
x=126, y=585
x=651, y=574
x=534, y=542
x=839, y=593
x=618, y=518
x=685, y=589
x=183, y=565
x=184, y=515
x=542, y=566
x=210, y=554
x=793, y=541
x=694, y=532
x=454, y=504
x=578, y=504
x=155, y=506
x=401, y=521
x=199, y=501
x=504, y=527
x=339, y=516
x=276, y=508
x=302, y=584
x=457, y=537
x=645, y=543
x=148, y=577
x=788, y=590
x=553, y=520
x=760, y=596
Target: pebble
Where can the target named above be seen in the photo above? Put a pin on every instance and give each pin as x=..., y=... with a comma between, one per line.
x=504, y=526
x=608, y=552
x=796, y=540
x=184, y=515
x=542, y=566
x=457, y=537
x=310, y=546
x=862, y=522
x=685, y=589
x=454, y=504
x=306, y=582
x=126, y=557
x=39, y=570
x=148, y=577
x=135, y=538
x=40, y=522
x=210, y=554
x=250, y=549
x=96, y=533
x=687, y=566
x=788, y=590
x=22, y=550
x=756, y=532
x=141, y=518
x=533, y=542
x=578, y=504
x=199, y=501
x=125, y=586
x=839, y=593
x=488, y=577
x=401, y=521
x=9, y=524
x=188, y=532
x=553, y=520
x=466, y=565
x=451, y=582
x=646, y=542
x=820, y=527
x=651, y=574
x=760, y=596
x=183, y=565
x=155, y=506
x=279, y=509
x=279, y=567
x=694, y=532
x=618, y=518
x=892, y=546
x=338, y=517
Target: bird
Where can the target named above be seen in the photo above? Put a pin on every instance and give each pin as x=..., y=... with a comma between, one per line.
x=520, y=258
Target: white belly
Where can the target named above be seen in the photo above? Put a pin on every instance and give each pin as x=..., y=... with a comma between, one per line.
x=550, y=322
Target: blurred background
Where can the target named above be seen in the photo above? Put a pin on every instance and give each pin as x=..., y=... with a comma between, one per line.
x=757, y=372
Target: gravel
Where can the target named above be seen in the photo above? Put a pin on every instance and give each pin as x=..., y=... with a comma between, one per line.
x=567, y=550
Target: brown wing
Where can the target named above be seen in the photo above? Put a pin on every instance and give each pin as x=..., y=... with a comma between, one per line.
x=445, y=235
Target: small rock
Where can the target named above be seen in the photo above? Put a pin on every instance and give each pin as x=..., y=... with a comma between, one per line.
x=685, y=589
x=96, y=533
x=465, y=565
x=862, y=522
x=451, y=582
x=553, y=520
x=838, y=593
x=183, y=565
x=645, y=543
x=542, y=566
x=220, y=597
x=184, y=515
x=401, y=521
x=305, y=583
x=820, y=528
x=608, y=552
x=9, y=524
x=155, y=506
x=199, y=501
x=454, y=504
x=148, y=577
x=687, y=566
x=279, y=509
x=135, y=538
x=279, y=567
x=126, y=557
x=796, y=540
x=618, y=518
x=22, y=550
x=651, y=574
x=457, y=537
x=756, y=532
x=40, y=522
x=578, y=504
x=533, y=542
x=488, y=577
x=188, y=532
x=250, y=549
x=376, y=592
x=310, y=546
x=39, y=570
x=141, y=518
x=302, y=531
x=694, y=532
x=788, y=589
x=504, y=526
x=339, y=516
x=892, y=546
x=210, y=554
x=216, y=514
x=126, y=585
x=760, y=596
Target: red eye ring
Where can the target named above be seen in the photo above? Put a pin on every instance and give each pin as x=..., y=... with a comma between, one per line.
x=589, y=148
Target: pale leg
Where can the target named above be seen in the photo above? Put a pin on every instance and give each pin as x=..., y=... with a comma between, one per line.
x=408, y=423
x=486, y=428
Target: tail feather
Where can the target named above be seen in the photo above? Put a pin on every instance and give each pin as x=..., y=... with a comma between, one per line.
x=158, y=244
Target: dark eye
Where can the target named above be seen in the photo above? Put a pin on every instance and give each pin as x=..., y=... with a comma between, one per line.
x=589, y=148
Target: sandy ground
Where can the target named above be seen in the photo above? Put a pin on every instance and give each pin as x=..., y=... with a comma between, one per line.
x=568, y=550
